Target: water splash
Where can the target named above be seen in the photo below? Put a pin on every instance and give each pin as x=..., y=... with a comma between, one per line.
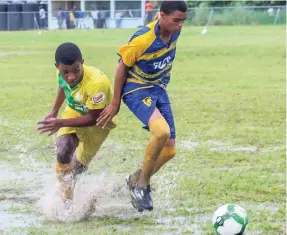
x=92, y=192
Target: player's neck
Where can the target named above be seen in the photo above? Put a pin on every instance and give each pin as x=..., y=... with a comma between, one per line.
x=164, y=34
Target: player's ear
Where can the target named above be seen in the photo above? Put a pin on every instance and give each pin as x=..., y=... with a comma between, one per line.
x=82, y=62
x=161, y=14
x=56, y=65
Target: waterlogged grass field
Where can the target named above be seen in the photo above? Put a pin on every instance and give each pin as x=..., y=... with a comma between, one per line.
x=228, y=97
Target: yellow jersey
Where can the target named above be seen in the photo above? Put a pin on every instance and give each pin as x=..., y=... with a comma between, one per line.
x=93, y=92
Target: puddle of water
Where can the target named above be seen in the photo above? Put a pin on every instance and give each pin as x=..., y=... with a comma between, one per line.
x=9, y=220
x=264, y=206
x=187, y=144
x=227, y=147
x=19, y=53
x=8, y=173
x=99, y=196
x=185, y=223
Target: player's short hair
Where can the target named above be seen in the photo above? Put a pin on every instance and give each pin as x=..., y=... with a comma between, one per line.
x=168, y=7
x=68, y=53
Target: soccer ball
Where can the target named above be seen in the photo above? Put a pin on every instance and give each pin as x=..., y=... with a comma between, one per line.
x=230, y=219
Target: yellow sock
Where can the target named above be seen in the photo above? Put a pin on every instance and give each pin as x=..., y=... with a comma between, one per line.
x=166, y=154
x=66, y=180
x=160, y=134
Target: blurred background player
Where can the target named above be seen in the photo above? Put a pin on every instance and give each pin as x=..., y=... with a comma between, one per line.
x=148, y=10
x=142, y=76
x=87, y=91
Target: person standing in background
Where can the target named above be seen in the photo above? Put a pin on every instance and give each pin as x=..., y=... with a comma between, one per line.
x=81, y=21
x=95, y=17
x=72, y=19
x=42, y=17
x=60, y=18
x=102, y=18
x=118, y=17
x=67, y=19
x=148, y=10
x=76, y=16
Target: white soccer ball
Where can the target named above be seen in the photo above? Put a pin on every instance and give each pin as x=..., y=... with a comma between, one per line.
x=230, y=219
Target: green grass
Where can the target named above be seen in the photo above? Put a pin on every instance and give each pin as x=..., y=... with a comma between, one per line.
x=228, y=97
x=237, y=16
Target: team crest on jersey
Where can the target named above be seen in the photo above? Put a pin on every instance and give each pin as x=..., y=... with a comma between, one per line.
x=98, y=98
x=78, y=97
x=147, y=101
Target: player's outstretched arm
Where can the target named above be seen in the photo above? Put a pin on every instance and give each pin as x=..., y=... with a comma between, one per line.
x=111, y=110
x=52, y=125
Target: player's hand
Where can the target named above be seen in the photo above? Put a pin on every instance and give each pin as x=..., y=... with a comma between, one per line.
x=107, y=114
x=50, y=126
x=52, y=114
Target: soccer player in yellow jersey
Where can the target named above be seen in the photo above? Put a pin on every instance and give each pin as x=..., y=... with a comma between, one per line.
x=87, y=91
x=142, y=76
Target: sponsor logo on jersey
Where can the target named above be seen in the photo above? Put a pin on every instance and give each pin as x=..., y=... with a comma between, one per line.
x=98, y=98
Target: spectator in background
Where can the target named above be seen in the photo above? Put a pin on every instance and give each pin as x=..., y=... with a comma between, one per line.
x=60, y=18
x=118, y=17
x=81, y=22
x=67, y=19
x=72, y=19
x=148, y=10
x=95, y=17
x=270, y=11
x=42, y=17
x=102, y=18
x=76, y=16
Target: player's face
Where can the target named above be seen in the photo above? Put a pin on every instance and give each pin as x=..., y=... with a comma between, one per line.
x=73, y=74
x=174, y=21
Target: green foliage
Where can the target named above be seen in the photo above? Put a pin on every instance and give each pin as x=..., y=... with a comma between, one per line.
x=215, y=3
x=235, y=16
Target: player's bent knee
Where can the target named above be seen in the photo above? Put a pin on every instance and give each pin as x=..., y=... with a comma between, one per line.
x=63, y=156
x=164, y=134
x=160, y=129
x=66, y=146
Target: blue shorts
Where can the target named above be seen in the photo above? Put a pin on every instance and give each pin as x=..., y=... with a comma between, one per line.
x=143, y=102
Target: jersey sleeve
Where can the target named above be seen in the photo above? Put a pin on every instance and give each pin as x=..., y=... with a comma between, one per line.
x=130, y=52
x=97, y=96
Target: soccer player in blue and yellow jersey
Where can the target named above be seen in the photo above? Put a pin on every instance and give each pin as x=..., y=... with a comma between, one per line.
x=87, y=91
x=142, y=76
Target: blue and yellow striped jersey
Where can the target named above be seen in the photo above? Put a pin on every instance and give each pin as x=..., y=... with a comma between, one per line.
x=149, y=59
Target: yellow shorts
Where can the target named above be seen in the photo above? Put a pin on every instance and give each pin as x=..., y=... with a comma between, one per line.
x=90, y=138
